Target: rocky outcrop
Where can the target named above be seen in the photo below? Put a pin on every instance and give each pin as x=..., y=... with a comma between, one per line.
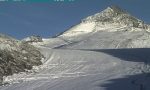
x=17, y=56
x=32, y=39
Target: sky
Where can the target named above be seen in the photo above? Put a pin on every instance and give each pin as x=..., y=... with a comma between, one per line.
x=23, y=19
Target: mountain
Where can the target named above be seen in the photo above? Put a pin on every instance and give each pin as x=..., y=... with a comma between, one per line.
x=105, y=51
x=111, y=28
x=112, y=16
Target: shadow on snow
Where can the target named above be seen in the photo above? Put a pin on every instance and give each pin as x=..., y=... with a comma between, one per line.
x=132, y=82
x=131, y=54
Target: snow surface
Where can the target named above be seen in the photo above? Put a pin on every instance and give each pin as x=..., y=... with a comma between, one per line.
x=111, y=40
x=94, y=55
x=51, y=43
x=83, y=28
x=84, y=70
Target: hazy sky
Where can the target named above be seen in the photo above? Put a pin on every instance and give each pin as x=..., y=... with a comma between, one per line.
x=47, y=19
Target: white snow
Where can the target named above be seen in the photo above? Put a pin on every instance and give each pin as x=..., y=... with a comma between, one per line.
x=51, y=42
x=82, y=28
x=91, y=56
x=76, y=69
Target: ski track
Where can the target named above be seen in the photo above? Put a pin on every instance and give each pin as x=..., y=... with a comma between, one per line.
x=74, y=60
x=55, y=74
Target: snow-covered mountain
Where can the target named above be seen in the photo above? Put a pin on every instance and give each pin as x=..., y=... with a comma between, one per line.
x=111, y=28
x=106, y=51
x=108, y=20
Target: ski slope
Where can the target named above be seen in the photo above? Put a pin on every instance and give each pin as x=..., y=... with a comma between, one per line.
x=84, y=70
x=106, y=51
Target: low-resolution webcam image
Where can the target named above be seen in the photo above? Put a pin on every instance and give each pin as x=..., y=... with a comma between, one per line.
x=74, y=45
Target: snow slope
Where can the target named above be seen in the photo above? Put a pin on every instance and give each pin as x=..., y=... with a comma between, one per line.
x=106, y=51
x=82, y=70
x=80, y=29
x=111, y=40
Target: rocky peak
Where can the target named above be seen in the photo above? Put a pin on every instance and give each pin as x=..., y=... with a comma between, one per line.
x=114, y=14
x=108, y=13
x=116, y=10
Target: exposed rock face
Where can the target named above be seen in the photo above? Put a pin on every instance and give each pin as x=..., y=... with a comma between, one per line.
x=16, y=56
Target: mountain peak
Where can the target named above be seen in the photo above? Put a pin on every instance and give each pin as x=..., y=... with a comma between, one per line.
x=116, y=9
x=107, y=14
x=111, y=17
x=115, y=14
